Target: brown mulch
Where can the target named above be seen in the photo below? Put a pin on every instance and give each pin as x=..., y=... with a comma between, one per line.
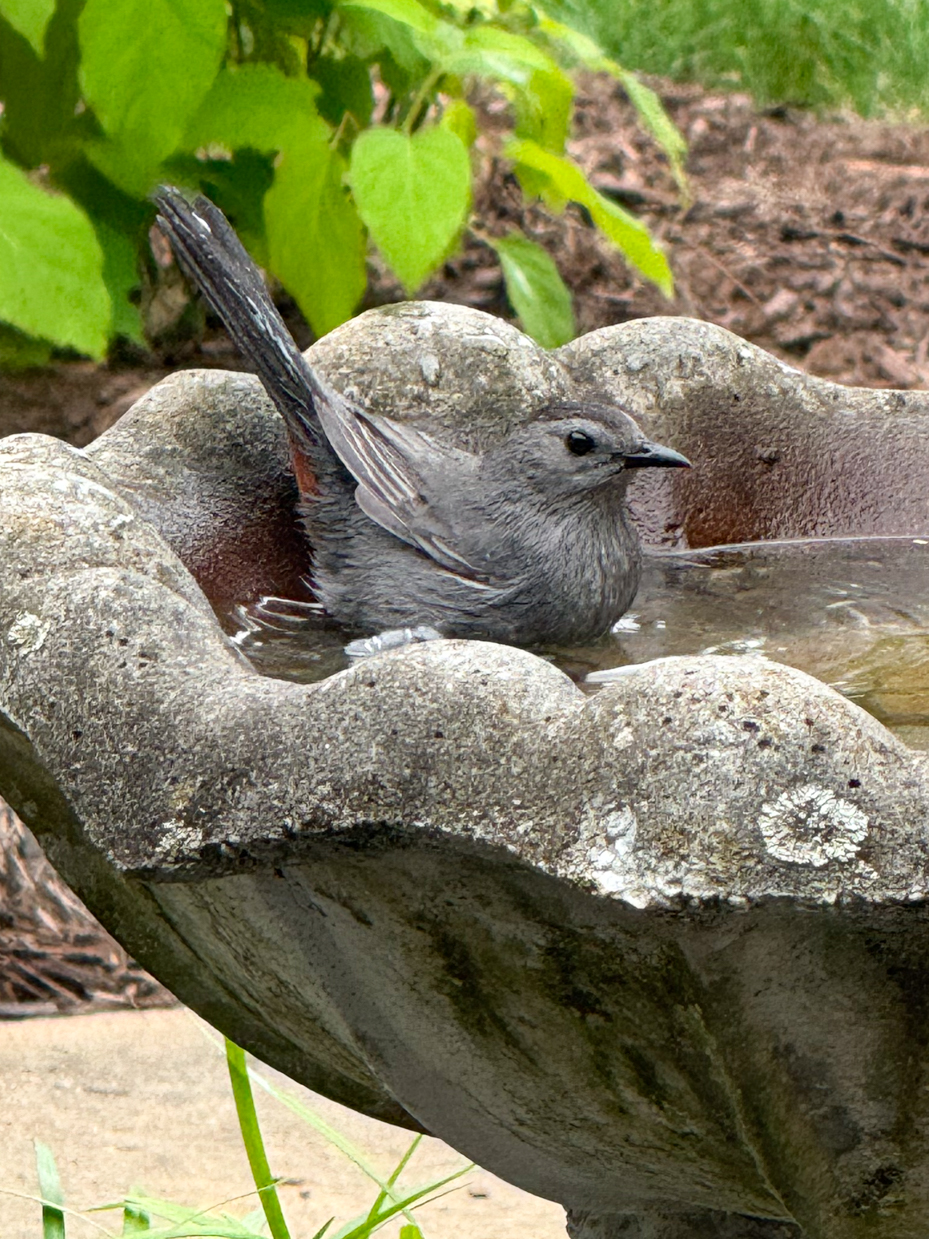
x=54, y=957
x=808, y=237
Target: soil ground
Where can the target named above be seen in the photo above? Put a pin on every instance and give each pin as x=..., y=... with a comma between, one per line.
x=141, y=1099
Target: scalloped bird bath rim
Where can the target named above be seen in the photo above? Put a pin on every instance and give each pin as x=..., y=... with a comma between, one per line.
x=626, y=951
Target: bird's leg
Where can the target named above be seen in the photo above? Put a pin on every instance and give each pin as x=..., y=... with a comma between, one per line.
x=392, y=639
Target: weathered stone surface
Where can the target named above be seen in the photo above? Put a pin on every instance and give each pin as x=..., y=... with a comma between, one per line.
x=781, y=454
x=661, y=954
x=216, y=485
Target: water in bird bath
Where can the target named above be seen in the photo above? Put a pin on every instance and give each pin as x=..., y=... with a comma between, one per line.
x=852, y=612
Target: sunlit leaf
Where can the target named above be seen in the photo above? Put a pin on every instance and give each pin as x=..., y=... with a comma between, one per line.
x=408, y=12
x=51, y=267
x=489, y=51
x=655, y=119
x=145, y=67
x=345, y=1146
x=544, y=107
x=628, y=233
x=256, y=106
x=316, y=242
x=413, y=193
x=580, y=46
x=648, y=106
x=30, y=18
x=536, y=290
x=460, y=119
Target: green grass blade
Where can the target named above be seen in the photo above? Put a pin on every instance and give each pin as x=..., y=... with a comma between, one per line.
x=75, y=1213
x=314, y=1120
x=404, y=1160
x=365, y=1226
x=53, y=1220
x=135, y=1221
x=252, y=1139
x=322, y=1230
x=319, y=1124
x=397, y=1171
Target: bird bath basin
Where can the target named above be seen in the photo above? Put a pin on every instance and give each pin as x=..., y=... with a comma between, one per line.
x=660, y=951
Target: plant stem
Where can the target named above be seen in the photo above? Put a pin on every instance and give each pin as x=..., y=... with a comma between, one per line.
x=429, y=84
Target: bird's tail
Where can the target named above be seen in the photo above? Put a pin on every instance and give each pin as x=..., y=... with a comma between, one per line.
x=211, y=254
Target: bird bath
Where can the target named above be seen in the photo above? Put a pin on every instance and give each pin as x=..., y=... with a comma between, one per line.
x=659, y=952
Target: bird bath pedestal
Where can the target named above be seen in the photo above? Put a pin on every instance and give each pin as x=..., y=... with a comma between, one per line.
x=660, y=954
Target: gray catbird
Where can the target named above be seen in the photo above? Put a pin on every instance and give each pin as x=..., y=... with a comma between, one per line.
x=529, y=543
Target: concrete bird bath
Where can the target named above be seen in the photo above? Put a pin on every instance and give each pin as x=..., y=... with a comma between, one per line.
x=660, y=954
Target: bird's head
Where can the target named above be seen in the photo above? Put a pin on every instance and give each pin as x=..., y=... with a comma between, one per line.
x=571, y=449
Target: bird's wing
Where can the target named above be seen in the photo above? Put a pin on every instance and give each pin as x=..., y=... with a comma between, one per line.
x=402, y=474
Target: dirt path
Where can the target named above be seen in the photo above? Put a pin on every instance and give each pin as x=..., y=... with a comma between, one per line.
x=142, y=1099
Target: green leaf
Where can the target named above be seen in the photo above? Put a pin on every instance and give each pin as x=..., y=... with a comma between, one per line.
x=145, y=67
x=580, y=47
x=40, y=95
x=252, y=1139
x=21, y=352
x=316, y=243
x=121, y=277
x=489, y=51
x=410, y=1232
x=30, y=18
x=414, y=194
x=346, y=87
x=544, y=108
x=256, y=106
x=460, y=119
x=373, y=36
x=297, y=16
x=624, y=230
x=315, y=240
x=655, y=119
x=536, y=290
x=53, y=1219
x=51, y=267
x=648, y=106
x=408, y=12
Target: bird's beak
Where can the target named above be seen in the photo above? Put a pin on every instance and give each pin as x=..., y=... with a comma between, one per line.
x=653, y=454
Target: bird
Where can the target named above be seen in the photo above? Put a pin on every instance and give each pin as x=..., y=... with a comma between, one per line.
x=528, y=543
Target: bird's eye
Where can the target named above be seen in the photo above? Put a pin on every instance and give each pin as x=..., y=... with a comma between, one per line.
x=579, y=443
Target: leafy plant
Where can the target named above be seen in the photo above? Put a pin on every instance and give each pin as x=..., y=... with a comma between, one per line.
x=143, y=1214
x=317, y=125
